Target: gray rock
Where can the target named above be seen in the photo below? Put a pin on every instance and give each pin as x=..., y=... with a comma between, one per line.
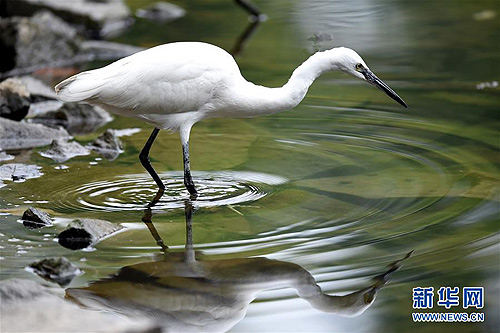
x=36, y=42
x=161, y=12
x=59, y=270
x=61, y=150
x=38, y=90
x=22, y=135
x=93, y=15
x=33, y=218
x=101, y=49
x=28, y=306
x=75, y=118
x=107, y=145
x=14, y=99
x=19, y=172
x=82, y=233
x=43, y=97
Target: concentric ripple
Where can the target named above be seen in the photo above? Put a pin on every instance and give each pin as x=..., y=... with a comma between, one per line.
x=135, y=191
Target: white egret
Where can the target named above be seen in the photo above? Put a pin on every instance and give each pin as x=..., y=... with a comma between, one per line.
x=173, y=86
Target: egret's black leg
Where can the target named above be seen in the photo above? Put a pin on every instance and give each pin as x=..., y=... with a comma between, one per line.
x=147, y=219
x=146, y=163
x=188, y=212
x=188, y=180
x=249, y=7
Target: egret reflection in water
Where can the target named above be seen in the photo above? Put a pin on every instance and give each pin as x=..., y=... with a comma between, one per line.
x=190, y=291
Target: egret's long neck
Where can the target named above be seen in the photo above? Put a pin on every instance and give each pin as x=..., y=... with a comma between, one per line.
x=258, y=100
x=304, y=75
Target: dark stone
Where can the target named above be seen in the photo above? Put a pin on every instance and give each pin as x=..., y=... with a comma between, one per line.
x=62, y=150
x=34, y=218
x=108, y=145
x=58, y=270
x=8, y=37
x=82, y=233
x=22, y=135
x=74, y=117
x=75, y=238
x=14, y=99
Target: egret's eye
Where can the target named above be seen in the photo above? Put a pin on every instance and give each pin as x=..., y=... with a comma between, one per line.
x=359, y=67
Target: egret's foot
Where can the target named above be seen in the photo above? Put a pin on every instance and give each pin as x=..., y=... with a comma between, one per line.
x=147, y=219
x=250, y=8
x=157, y=197
x=191, y=189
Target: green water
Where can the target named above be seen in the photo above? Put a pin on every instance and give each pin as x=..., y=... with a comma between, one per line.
x=343, y=185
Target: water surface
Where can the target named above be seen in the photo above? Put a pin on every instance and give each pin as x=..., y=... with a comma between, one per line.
x=343, y=185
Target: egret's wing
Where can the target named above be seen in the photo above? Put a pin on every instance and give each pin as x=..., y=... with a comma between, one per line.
x=171, y=78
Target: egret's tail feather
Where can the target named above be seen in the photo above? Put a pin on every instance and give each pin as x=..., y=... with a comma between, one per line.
x=80, y=87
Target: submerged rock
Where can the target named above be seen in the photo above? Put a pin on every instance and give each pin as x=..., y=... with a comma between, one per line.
x=14, y=99
x=5, y=157
x=82, y=233
x=19, y=172
x=41, y=108
x=61, y=150
x=34, y=218
x=41, y=40
x=75, y=118
x=161, y=12
x=107, y=145
x=28, y=306
x=22, y=135
x=59, y=270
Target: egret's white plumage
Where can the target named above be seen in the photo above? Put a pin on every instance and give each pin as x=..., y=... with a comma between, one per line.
x=175, y=85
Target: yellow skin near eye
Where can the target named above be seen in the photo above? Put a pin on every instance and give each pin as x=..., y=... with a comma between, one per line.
x=359, y=67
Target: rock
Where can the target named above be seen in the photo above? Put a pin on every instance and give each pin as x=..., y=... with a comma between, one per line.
x=28, y=306
x=5, y=157
x=59, y=270
x=108, y=145
x=105, y=50
x=161, y=12
x=126, y=131
x=14, y=99
x=38, y=90
x=43, y=97
x=43, y=107
x=97, y=16
x=36, y=42
x=18, y=171
x=82, y=233
x=61, y=150
x=75, y=118
x=22, y=135
x=34, y=218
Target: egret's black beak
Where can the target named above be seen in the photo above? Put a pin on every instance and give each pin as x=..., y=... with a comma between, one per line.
x=373, y=79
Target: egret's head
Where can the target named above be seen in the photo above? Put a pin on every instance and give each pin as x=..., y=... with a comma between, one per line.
x=348, y=61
